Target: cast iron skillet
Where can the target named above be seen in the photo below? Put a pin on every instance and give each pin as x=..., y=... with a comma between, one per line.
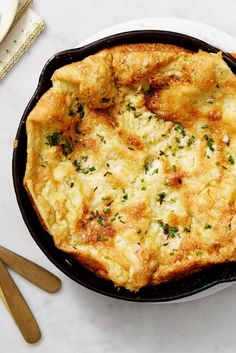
x=161, y=293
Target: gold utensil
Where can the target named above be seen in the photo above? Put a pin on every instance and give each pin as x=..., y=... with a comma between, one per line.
x=18, y=307
x=30, y=270
x=12, y=297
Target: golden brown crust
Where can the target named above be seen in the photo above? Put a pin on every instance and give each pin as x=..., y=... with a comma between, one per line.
x=130, y=162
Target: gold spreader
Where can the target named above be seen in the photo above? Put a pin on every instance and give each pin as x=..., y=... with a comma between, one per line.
x=18, y=307
x=12, y=297
x=31, y=271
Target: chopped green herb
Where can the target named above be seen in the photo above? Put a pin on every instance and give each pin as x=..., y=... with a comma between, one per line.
x=124, y=198
x=174, y=168
x=130, y=107
x=54, y=139
x=205, y=126
x=150, y=89
x=146, y=167
x=177, y=139
x=198, y=253
x=131, y=148
x=115, y=218
x=191, y=141
x=99, y=238
x=167, y=183
x=95, y=189
x=210, y=142
x=162, y=153
x=106, y=197
x=161, y=197
x=231, y=160
x=170, y=231
x=66, y=147
x=100, y=221
x=72, y=184
x=187, y=229
x=102, y=138
x=155, y=171
x=71, y=112
x=77, y=165
x=57, y=139
x=179, y=127
x=80, y=111
x=143, y=188
x=207, y=226
x=84, y=170
x=107, y=210
x=77, y=109
x=150, y=117
x=218, y=164
x=138, y=231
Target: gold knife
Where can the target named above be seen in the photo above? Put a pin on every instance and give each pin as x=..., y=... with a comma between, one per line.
x=18, y=307
x=30, y=270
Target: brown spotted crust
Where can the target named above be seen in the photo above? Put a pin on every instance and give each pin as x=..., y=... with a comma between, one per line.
x=119, y=236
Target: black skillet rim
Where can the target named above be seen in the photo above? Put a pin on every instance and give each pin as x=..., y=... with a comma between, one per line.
x=166, y=292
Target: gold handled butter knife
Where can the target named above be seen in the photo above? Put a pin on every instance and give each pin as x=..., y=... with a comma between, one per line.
x=30, y=270
x=18, y=307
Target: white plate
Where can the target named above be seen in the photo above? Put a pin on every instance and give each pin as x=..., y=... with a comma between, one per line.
x=8, y=10
x=198, y=30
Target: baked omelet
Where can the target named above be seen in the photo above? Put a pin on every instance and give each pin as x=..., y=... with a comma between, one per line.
x=131, y=162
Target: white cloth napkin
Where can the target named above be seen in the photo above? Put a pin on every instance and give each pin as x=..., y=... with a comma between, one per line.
x=23, y=32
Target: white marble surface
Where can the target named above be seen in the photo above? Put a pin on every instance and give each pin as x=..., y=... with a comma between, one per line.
x=76, y=319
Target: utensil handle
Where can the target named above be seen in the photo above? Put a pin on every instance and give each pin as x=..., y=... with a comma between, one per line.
x=30, y=270
x=18, y=307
